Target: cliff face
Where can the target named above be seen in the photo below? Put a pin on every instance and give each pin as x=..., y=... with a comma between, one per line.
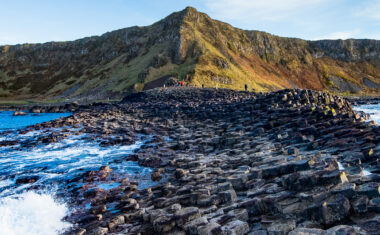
x=95, y=67
x=193, y=47
x=350, y=50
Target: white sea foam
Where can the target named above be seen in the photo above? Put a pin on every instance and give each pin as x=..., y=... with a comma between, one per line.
x=32, y=213
x=62, y=159
x=30, y=133
x=5, y=183
x=373, y=110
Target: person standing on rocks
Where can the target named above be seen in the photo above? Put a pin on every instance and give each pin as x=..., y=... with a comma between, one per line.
x=246, y=87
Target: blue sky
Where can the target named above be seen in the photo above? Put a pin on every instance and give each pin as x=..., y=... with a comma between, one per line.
x=26, y=21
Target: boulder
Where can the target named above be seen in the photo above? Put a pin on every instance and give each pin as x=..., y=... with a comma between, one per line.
x=186, y=214
x=210, y=229
x=193, y=226
x=235, y=227
x=370, y=189
x=27, y=179
x=371, y=226
x=374, y=205
x=156, y=175
x=307, y=231
x=118, y=220
x=254, y=206
x=335, y=209
x=238, y=181
x=179, y=173
x=281, y=227
x=100, y=231
x=293, y=151
x=240, y=214
x=228, y=196
x=346, y=189
x=163, y=223
x=342, y=230
x=19, y=113
x=360, y=204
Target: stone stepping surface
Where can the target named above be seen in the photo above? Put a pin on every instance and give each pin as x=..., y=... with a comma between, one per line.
x=285, y=162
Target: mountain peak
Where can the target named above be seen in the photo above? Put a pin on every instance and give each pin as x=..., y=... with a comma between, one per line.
x=190, y=10
x=177, y=18
x=190, y=13
x=192, y=47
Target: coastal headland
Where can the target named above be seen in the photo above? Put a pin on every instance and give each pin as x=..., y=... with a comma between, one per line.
x=230, y=162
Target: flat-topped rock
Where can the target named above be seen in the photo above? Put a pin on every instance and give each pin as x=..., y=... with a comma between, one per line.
x=228, y=162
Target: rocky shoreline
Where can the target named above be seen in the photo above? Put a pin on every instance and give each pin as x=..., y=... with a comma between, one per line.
x=51, y=108
x=286, y=162
x=363, y=100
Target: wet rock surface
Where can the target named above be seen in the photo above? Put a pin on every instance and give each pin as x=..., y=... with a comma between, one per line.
x=364, y=100
x=36, y=109
x=286, y=162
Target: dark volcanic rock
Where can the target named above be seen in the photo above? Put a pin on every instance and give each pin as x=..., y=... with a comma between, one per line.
x=27, y=179
x=286, y=162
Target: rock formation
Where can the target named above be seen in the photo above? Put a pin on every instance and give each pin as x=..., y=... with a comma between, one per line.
x=192, y=47
x=287, y=162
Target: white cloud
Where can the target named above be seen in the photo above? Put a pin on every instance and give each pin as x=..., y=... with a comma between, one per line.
x=268, y=10
x=4, y=40
x=342, y=34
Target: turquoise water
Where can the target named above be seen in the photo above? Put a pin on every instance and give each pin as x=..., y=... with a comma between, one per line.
x=9, y=122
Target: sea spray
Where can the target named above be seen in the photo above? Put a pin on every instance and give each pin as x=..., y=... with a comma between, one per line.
x=372, y=109
x=53, y=168
x=32, y=213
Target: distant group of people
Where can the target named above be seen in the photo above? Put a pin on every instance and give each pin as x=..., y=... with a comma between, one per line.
x=181, y=83
x=216, y=86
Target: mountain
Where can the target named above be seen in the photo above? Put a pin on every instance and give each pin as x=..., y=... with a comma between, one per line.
x=194, y=48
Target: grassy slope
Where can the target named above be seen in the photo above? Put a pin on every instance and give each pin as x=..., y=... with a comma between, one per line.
x=292, y=65
x=243, y=68
x=262, y=61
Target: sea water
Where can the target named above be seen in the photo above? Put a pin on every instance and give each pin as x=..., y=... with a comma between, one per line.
x=372, y=109
x=27, y=211
x=9, y=122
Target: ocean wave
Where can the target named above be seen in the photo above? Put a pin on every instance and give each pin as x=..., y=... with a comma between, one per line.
x=372, y=109
x=32, y=213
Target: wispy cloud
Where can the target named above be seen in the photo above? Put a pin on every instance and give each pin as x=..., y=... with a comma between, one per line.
x=371, y=10
x=342, y=34
x=308, y=19
x=268, y=10
x=4, y=40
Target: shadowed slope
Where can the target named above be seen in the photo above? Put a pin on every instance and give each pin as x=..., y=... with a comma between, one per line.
x=193, y=47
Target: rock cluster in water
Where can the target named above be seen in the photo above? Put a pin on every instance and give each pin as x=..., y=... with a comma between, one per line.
x=364, y=100
x=69, y=107
x=286, y=162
